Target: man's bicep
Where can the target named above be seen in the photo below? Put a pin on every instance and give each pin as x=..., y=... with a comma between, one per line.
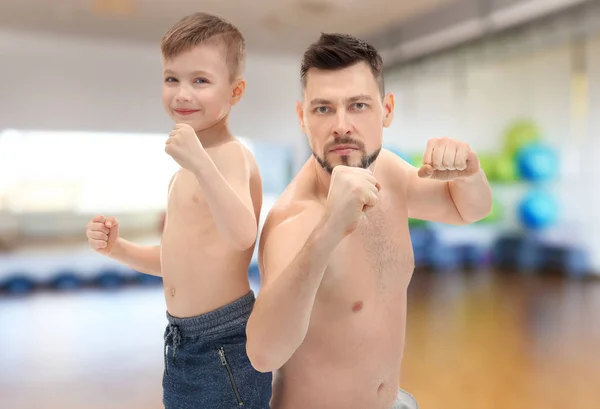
x=281, y=244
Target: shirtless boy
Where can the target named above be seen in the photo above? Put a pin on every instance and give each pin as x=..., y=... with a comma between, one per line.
x=213, y=209
x=335, y=253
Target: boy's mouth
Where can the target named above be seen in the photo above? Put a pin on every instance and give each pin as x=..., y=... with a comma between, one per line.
x=185, y=111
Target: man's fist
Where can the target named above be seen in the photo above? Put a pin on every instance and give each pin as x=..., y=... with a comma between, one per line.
x=352, y=192
x=447, y=159
x=184, y=146
x=102, y=234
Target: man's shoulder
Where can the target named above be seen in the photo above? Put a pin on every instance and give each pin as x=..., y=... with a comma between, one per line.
x=292, y=209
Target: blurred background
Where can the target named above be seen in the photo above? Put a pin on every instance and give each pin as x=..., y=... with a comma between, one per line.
x=504, y=313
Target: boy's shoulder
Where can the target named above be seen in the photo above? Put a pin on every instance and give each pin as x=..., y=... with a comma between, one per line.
x=233, y=152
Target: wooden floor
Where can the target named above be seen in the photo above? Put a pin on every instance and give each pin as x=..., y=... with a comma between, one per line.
x=474, y=340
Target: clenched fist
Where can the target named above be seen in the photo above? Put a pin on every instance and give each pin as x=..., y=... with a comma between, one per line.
x=102, y=234
x=184, y=146
x=352, y=192
x=448, y=159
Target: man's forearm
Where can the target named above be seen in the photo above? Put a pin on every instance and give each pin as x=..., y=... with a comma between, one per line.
x=472, y=196
x=145, y=259
x=281, y=314
x=234, y=219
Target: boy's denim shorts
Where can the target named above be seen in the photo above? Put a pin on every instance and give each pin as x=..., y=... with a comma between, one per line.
x=206, y=365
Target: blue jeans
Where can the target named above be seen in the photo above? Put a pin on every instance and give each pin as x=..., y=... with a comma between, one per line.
x=206, y=365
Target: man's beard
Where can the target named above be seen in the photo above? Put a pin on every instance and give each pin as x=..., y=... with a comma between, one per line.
x=365, y=161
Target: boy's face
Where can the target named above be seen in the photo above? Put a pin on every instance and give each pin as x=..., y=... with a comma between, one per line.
x=197, y=88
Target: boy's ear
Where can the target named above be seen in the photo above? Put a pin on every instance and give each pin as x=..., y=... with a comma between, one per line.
x=239, y=87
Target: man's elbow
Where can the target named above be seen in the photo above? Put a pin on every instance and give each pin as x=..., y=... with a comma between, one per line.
x=477, y=214
x=260, y=358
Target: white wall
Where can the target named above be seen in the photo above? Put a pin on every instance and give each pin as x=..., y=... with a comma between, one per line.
x=474, y=95
x=67, y=83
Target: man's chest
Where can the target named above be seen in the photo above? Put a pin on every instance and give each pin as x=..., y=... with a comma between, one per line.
x=377, y=255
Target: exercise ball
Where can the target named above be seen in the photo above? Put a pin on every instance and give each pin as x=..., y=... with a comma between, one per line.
x=538, y=210
x=416, y=223
x=537, y=162
x=505, y=169
x=519, y=134
x=487, y=162
x=417, y=160
x=495, y=214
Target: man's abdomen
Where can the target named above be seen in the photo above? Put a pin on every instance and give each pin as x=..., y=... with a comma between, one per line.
x=345, y=364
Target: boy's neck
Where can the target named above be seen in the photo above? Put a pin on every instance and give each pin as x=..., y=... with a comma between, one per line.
x=215, y=135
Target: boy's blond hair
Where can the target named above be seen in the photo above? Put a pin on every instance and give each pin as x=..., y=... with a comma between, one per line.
x=200, y=28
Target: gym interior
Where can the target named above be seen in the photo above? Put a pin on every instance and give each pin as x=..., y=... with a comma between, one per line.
x=502, y=313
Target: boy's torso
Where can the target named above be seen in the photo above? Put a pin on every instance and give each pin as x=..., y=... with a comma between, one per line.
x=201, y=270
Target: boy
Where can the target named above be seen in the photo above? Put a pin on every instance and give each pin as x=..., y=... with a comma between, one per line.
x=213, y=209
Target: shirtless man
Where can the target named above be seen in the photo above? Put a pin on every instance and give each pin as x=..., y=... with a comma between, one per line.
x=335, y=253
x=213, y=209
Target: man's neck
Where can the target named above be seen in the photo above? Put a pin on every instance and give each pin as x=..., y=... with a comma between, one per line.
x=323, y=179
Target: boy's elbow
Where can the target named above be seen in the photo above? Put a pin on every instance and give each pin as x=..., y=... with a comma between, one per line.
x=245, y=239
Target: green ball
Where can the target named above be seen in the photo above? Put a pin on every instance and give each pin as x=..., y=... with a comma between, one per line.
x=416, y=222
x=519, y=134
x=495, y=214
x=488, y=165
x=417, y=160
x=505, y=169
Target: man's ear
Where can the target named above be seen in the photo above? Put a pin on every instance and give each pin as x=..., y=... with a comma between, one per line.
x=300, y=114
x=388, y=110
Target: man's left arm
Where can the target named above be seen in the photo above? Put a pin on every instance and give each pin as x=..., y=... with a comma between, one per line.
x=225, y=182
x=450, y=187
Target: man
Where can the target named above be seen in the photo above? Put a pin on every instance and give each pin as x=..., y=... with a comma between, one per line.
x=335, y=252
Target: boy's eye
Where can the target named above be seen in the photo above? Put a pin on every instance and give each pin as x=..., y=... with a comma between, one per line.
x=170, y=79
x=201, y=81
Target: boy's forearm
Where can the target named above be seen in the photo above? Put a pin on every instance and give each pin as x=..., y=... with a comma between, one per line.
x=234, y=219
x=145, y=259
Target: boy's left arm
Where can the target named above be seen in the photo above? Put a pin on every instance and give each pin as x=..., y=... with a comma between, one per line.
x=450, y=187
x=226, y=187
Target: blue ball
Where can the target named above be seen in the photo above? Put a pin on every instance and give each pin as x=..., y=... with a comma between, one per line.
x=537, y=162
x=538, y=210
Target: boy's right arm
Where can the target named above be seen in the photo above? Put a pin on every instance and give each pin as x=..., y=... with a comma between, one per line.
x=103, y=237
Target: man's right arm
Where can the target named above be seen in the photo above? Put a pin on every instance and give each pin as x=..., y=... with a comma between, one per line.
x=294, y=255
x=145, y=259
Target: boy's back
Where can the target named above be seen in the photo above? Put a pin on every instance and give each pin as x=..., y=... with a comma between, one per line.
x=201, y=270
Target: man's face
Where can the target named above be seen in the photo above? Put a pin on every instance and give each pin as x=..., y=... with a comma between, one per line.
x=343, y=116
